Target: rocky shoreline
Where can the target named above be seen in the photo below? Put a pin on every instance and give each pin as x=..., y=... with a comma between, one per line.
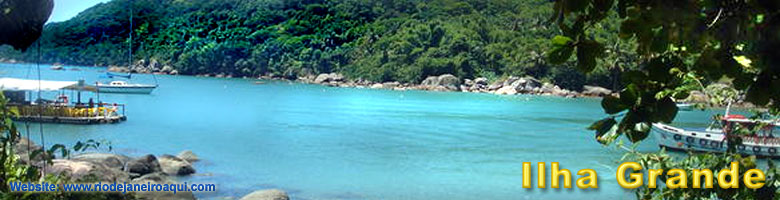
x=142, y=67
x=444, y=83
x=95, y=167
x=508, y=86
x=449, y=83
x=511, y=85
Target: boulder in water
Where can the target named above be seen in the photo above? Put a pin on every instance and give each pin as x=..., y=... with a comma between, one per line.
x=166, y=69
x=446, y=82
x=188, y=156
x=160, y=178
x=495, y=86
x=390, y=85
x=595, y=91
x=109, y=160
x=508, y=90
x=272, y=194
x=481, y=81
x=143, y=165
x=326, y=78
x=449, y=80
x=173, y=165
x=468, y=82
x=377, y=86
x=118, y=69
x=431, y=81
x=154, y=65
x=86, y=171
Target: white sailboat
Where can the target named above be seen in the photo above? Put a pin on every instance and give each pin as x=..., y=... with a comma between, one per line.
x=685, y=106
x=762, y=143
x=123, y=86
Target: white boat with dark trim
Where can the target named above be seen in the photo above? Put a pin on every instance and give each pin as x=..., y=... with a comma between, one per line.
x=124, y=87
x=685, y=106
x=714, y=138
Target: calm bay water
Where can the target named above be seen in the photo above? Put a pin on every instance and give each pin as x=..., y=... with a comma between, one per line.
x=318, y=142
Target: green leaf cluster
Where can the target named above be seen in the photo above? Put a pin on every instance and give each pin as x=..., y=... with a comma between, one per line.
x=680, y=47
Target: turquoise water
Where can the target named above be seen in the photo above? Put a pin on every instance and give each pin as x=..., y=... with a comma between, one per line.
x=319, y=142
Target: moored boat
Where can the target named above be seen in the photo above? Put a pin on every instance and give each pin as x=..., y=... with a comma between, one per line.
x=124, y=87
x=715, y=138
x=57, y=67
x=685, y=106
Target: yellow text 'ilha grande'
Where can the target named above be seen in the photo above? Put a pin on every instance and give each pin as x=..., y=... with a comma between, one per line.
x=628, y=175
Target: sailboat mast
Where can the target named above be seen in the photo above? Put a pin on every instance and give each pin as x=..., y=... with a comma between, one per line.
x=728, y=109
x=130, y=44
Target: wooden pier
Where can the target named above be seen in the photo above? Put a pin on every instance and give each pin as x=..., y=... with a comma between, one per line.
x=60, y=110
x=72, y=120
x=66, y=114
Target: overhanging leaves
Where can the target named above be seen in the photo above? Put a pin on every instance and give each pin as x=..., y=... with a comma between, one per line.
x=587, y=53
x=613, y=105
x=560, y=54
x=605, y=130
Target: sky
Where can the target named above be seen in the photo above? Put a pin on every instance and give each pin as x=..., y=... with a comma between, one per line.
x=66, y=9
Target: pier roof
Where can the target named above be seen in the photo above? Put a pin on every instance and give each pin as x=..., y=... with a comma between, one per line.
x=14, y=84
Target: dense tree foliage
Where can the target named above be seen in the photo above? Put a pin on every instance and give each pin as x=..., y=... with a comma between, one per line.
x=680, y=45
x=379, y=40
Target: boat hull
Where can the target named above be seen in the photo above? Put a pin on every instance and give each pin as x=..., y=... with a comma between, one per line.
x=711, y=141
x=126, y=89
x=685, y=106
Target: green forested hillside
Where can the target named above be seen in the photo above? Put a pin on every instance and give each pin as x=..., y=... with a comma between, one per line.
x=378, y=40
